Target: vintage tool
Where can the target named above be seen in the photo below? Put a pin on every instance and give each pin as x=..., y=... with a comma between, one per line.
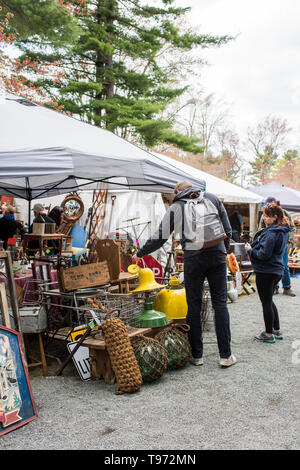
x=113, y=199
x=172, y=300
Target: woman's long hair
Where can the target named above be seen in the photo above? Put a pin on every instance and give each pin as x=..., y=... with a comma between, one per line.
x=56, y=215
x=276, y=211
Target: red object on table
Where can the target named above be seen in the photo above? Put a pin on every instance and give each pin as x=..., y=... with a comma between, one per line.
x=11, y=241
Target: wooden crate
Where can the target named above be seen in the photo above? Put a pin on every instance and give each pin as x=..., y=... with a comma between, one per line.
x=84, y=276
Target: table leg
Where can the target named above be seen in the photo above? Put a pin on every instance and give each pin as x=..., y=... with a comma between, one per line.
x=41, y=246
x=101, y=366
x=43, y=357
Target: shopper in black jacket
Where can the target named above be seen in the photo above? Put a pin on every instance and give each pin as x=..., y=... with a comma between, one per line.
x=9, y=227
x=266, y=255
x=199, y=264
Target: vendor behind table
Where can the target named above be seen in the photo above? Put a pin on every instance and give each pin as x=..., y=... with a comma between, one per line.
x=9, y=227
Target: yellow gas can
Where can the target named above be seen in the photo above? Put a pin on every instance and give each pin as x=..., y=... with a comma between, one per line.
x=172, y=300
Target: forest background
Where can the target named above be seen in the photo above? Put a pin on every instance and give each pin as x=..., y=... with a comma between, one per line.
x=135, y=67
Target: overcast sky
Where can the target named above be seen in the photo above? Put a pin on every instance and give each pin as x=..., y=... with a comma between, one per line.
x=258, y=72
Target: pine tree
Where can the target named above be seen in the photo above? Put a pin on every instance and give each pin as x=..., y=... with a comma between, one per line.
x=109, y=51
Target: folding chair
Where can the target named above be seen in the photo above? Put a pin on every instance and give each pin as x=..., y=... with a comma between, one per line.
x=245, y=266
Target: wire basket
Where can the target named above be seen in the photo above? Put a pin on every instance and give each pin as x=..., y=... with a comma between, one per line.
x=123, y=306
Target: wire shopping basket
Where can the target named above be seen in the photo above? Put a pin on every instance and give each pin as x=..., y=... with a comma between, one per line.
x=123, y=306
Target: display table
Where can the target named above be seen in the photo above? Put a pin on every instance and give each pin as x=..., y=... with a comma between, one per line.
x=29, y=285
x=43, y=239
x=99, y=358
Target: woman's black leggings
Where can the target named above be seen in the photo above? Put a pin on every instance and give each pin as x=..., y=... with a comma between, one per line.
x=265, y=286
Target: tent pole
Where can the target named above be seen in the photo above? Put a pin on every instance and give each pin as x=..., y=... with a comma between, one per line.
x=29, y=212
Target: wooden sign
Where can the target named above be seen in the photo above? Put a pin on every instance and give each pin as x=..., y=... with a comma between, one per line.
x=4, y=306
x=84, y=276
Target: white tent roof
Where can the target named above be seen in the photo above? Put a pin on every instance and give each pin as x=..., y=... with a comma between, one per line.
x=221, y=188
x=45, y=153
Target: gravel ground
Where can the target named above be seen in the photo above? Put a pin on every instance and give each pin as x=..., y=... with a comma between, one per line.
x=252, y=405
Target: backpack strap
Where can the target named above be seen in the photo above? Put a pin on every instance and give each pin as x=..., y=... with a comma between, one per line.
x=201, y=196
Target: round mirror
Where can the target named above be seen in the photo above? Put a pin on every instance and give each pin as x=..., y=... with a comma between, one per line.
x=73, y=207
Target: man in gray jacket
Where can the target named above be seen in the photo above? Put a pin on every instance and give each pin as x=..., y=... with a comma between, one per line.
x=199, y=264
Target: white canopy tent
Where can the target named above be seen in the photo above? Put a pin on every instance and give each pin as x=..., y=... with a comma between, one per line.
x=223, y=189
x=44, y=153
x=228, y=192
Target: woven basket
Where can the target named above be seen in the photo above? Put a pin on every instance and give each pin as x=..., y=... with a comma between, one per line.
x=175, y=340
x=122, y=357
x=152, y=357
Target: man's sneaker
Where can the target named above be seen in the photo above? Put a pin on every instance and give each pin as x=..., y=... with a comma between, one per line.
x=276, y=290
x=265, y=338
x=289, y=292
x=227, y=362
x=196, y=361
x=277, y=334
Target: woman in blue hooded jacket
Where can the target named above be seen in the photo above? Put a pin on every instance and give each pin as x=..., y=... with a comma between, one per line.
x=266, y=255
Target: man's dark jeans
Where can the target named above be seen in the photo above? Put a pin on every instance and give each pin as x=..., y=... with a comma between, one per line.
x=198, y=266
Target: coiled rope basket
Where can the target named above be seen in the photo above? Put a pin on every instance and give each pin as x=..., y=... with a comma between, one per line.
x=122, y=357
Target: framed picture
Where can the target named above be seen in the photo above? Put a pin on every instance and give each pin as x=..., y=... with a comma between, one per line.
x=17, y=406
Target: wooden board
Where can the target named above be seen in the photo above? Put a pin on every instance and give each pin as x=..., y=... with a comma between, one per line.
x=4, y=306
x=108, y=250
x=84, y=276
x=99, y=343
